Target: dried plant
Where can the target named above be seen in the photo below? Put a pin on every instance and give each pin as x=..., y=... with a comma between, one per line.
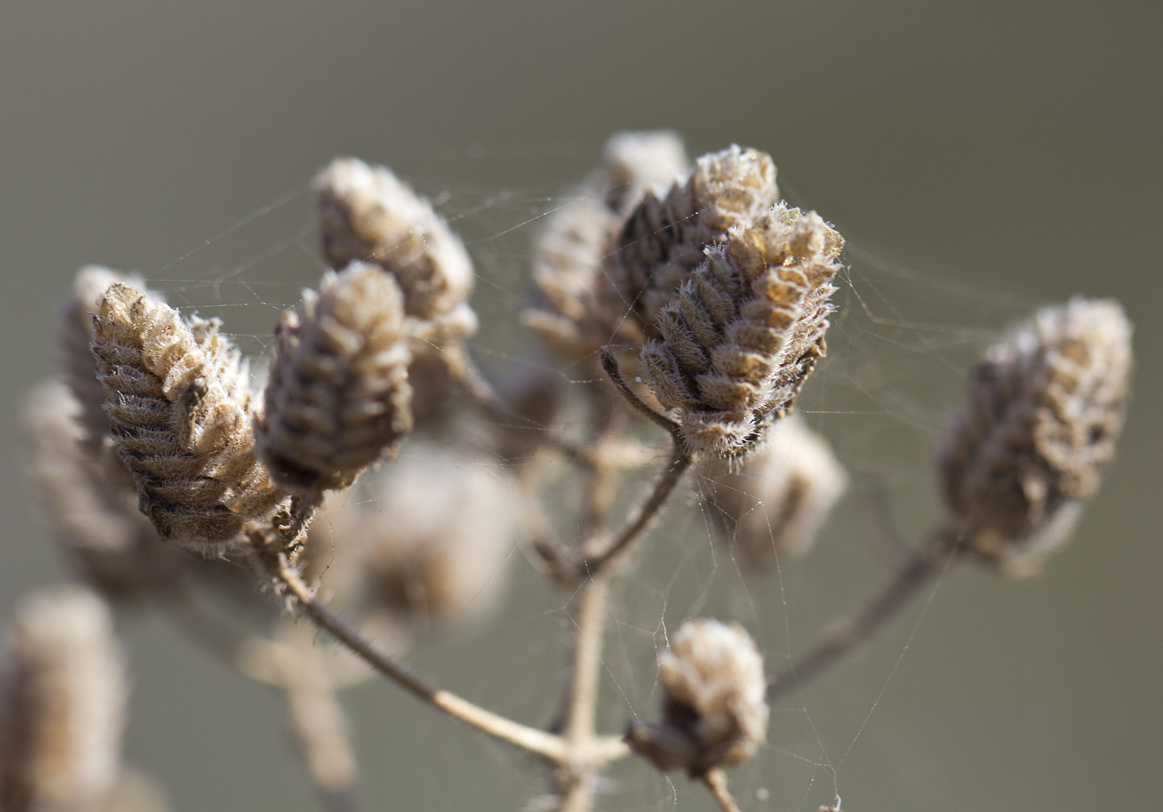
x=716, y=295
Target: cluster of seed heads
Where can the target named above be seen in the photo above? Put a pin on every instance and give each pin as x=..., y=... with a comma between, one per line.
x=711, y=288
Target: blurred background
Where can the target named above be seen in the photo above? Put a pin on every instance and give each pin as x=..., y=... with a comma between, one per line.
x=981, y=158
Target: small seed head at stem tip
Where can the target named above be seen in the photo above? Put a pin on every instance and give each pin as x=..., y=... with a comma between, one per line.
x=714, y=705
x=1039, y=428
x=177, y=396
x=338, y=397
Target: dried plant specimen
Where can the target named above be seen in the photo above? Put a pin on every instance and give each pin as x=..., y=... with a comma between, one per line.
x=663, y=239
x=177, y=422
x=714, y=706
x=745, y=330
x=774, y=501
x=1043, y=414
x=338, y=397
x=62, y=705
x=366, y=213
x=578, y=307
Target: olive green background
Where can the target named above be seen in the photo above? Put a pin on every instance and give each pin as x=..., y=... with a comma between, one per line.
x=982, y=158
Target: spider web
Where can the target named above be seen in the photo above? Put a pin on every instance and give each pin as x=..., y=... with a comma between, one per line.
x=899, y=347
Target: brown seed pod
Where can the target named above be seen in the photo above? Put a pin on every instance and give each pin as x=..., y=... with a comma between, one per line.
x=745, y=330
x=773, y=502
x=1043, y=414
x=338, y=397
x=178, y=420
x=366, y=213
x=663, y=239
x=62, y=705
x=714, y=700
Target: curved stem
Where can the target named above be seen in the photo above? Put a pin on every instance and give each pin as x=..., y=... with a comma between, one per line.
x=923, y=567
x=610, y=365
x=600, y=554
x=716, y=781
x=537, y=742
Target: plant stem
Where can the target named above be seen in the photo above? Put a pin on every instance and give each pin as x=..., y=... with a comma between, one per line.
x=537, y=742
x=923, y=567
x=716, y=781
x=610, y=365
x=600, y=554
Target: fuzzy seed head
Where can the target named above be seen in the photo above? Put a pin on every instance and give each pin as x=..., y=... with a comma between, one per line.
x=176, y=402
x=664, y=238
x=774, y=501
x=714, y=703
x=439, y=538
x=1039, y=429
x=745, y=330
x=338, y=397
x=62, y=705
x=366, y=213
x=578, y=308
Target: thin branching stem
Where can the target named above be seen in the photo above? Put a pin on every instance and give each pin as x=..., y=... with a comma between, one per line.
x=532, y=740
x=716, y=781
x=610, y=365
x=933, y=560
x=601, y=553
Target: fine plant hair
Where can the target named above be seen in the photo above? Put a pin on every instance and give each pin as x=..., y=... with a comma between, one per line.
x=336, y=497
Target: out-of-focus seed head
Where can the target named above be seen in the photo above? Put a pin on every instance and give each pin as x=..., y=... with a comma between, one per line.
x=1043, y=414
x=366, y=213
x=578, y=309
x=438, y=532
x=774, y=502
x=62, y=705
x=94, y=516
x=714, y=703
x=745, y=330
x=338, y=397
x=177, y=417
x=664, y=238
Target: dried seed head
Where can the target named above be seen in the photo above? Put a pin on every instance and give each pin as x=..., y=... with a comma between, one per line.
x=179, y=421
x=1043, y=415
x=774, y=502
x=439, y=531
x=365, y=213
x=578, y=309
x=62, y=705
x=338, y=398
x=663, y=239
x=714, y=700
x=745, y=330
x=94, y=516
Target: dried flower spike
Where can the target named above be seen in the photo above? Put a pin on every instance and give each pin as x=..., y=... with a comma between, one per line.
x=365, y=213
x=745, y=330
x=338, y=397
x=62, y=705
x=1043, y=415
x=773, y=502
x=663, y=239
x=714, y=705
x=174, y=396
x=578, y=309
